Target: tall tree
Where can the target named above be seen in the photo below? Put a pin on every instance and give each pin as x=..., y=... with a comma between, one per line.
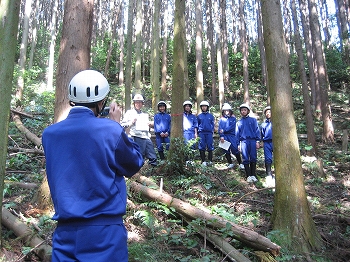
x=305, y=88
x=155, y=55
x=211, y=48
x=224, y=46
x=244, y=48
x=315, y=101
x=163, y=94
x=262, y=51
x=178, y=82
x=23, y=52
x=9, y=17
x=328, y=129
x=138, y=35
x=74, y=54
x=343, y=30
x=128, y=63
x=50, y=70
x=298, y=229
x=121, y=45
x=199, y=51
x=219, y=54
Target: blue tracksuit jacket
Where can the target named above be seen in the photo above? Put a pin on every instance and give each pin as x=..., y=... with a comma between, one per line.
x=228, y=125
x=205, y=131
x=190, y=123
x=86, y=161
x=248, y=133
x=266, y=137
x=162, y=124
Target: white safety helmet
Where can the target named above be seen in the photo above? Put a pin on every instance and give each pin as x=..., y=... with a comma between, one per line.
x=267, y=108
x=88, y=86
x=187, y=103
x=244, y=106
x=226, y=106
x=138, y=97
x=204, y=103
x=161, y=103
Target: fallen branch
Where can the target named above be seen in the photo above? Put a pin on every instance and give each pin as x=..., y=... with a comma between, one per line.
x=29, y=135
x=221, y=244
x=21, y=230
x=245, y=235
x=25, y=150
x=21, y=184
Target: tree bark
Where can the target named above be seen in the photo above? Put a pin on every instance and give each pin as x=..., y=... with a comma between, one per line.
x=242, y=234
x=155, y=56
x=138, y=35
x=128, y=63
x=199, y=51
x=298, y=228
x=245, y=51
x=163, y=93
x=9, y=15
x=305, y=89
x=75, y=47
x=23, y=53
x=328, y=129
x=29, y=135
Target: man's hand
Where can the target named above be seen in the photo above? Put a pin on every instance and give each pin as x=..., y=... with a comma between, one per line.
x=115, y=112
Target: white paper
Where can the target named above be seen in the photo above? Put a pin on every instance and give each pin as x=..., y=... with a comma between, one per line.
x=225, y=145
x=142, y=122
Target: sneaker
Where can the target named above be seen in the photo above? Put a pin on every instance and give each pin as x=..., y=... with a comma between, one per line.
x=241, y=166
x=230, y=165
x=204, y=164
x=251, y=179
x=189, y=163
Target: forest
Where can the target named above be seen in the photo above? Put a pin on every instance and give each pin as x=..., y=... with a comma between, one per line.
x=292, y=55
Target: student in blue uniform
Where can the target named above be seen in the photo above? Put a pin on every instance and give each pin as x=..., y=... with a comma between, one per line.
x=248, y=134
x=162, y=125
x=190, y=124
x=140, y=133
x=87, y=158
x=227, y=131
x=266, y=137
x=206, y=124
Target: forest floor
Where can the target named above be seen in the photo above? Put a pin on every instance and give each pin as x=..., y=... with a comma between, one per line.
x=157, y=233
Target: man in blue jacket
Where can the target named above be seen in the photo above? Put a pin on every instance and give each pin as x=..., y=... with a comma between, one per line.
x=162, y=126
x=248, y=134
x=87, y=158
x=206, y=124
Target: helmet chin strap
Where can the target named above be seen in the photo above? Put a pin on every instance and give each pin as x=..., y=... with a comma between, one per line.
x=103, y=106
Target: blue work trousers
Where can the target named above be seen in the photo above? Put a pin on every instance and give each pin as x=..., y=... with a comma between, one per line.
x=90, y=243
x=249, y=152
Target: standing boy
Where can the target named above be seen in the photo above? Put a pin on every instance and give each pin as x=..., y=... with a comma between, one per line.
x=205, y=132
x=266, y=137
x=248, y=134
x=138, y=123
x=87, y=158
x=227, y=131
x=162, y=125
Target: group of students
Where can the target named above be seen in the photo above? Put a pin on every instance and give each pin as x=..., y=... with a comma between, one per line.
x=243, y=136
x=87, y=158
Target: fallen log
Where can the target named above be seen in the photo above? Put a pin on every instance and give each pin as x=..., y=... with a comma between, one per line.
x=21, y=230
x=221, y=244
x=29, y=135
x=245, y=235
x=21, y=184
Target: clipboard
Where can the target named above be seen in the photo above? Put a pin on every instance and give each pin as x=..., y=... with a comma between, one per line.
x=225, y=145
x=141, y=123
